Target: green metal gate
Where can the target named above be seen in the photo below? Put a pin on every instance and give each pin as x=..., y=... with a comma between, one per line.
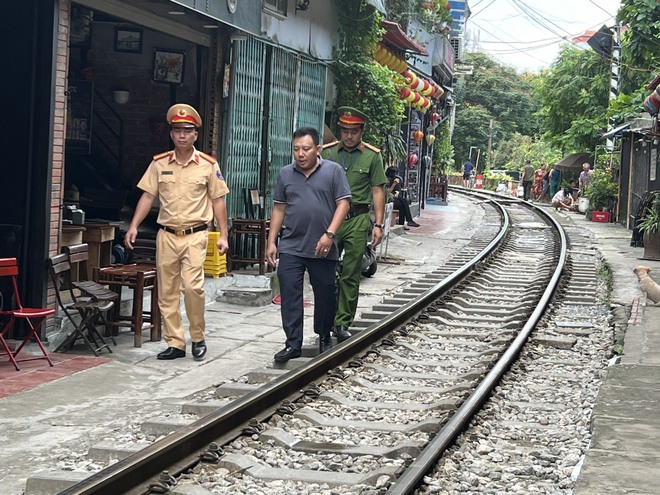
x=281, y=88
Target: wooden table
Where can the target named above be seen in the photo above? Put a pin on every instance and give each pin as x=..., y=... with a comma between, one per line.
x=140, y=277
x=99, y=238
x=72, y=235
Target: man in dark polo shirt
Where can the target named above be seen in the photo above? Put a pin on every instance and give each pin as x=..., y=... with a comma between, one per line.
x=311, y=199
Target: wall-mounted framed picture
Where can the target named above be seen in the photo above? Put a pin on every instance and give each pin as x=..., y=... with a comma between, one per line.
x=128, y=40
x=168, y=66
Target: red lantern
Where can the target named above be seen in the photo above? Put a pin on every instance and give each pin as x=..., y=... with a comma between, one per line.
x=412, y=160
x=404, y=93
x=434, y=117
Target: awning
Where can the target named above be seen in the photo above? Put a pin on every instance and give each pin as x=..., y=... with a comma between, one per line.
x=615, y=131
x=574, y=161
x=395, y=36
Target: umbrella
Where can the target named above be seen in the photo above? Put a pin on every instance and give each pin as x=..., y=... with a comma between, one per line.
x=574, y=161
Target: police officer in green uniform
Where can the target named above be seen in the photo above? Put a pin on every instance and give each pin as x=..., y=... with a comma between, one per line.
x=363, y=165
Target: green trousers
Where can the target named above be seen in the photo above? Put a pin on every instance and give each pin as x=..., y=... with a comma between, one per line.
x=352, y=238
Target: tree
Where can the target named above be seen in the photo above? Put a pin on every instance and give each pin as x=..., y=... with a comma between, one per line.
x=640, y=43
x=574, y=95
x=494, y=92
x=443, y=151
x=361, y=82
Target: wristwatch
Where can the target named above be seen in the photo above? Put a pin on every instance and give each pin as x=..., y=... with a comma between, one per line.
x=379, y=225
x=331, y=235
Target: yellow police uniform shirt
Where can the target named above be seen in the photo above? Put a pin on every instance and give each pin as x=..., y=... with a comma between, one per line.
x=184, y=191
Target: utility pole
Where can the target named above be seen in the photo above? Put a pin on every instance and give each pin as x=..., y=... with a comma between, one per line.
x=490, y=143
x=614, y=80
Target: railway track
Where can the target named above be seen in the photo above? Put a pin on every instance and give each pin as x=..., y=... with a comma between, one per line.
x=376, y=413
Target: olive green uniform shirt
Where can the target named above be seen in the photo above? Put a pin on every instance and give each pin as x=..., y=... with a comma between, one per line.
x=363, y=166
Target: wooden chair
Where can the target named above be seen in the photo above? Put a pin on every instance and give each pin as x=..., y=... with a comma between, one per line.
x=89, y=309
x=33, y=317
x=78, y=256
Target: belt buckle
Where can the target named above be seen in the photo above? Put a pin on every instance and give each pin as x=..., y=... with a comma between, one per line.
x=180, y=233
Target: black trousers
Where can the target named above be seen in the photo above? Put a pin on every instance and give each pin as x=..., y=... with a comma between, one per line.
x=527, y=189
x=402, y=205
x=291, y=273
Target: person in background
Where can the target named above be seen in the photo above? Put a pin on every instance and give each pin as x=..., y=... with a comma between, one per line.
x=191, y=191
x=363, y=164
x=584, y=179
x=311, y=199
x=527, y=178
x=563, y=199
x=467, y=173
x=546, y=185
x=574, y=189
x=554, y=177
x=394, y=186
x=537, y=188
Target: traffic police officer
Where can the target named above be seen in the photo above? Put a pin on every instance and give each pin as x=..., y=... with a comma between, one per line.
x=363, y=165
x=191, y=191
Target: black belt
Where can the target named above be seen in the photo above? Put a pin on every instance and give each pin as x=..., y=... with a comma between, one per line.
x=356, y=210
x=182, y=232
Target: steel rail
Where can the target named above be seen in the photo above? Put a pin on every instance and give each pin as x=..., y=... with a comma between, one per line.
x=140, y=467
x=426, y=461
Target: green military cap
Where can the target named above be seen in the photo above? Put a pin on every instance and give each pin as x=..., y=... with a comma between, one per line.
x=351, y=116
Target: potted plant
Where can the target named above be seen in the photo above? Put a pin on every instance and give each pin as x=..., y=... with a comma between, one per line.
x=650, y=226
x=602, y=193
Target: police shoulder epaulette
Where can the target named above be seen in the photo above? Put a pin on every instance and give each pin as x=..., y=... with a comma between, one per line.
x=371, y=147
x=208, y=158
x=330, y=145
x=161, y=155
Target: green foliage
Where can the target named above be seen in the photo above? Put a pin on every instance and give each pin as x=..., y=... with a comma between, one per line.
x=574, y=96
x=493, y=92
x=602, y=190
x=394, y=149
x=443, y=151
x=433, y=20
x=640, y=43
x=361, y=82
x=512, y=153
x=626, y=106
x=650, y=222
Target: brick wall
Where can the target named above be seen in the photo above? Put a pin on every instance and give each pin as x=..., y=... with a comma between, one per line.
x=57, y=184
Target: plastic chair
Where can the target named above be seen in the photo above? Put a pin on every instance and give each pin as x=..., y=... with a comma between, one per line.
x=90, y=310
x=33, y=317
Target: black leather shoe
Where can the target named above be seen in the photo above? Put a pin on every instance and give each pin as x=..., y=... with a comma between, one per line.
x=171, y=353
x=413, y=224
x=325, y=343
x=198, y=350
x=341, y=332
x=287, y=353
